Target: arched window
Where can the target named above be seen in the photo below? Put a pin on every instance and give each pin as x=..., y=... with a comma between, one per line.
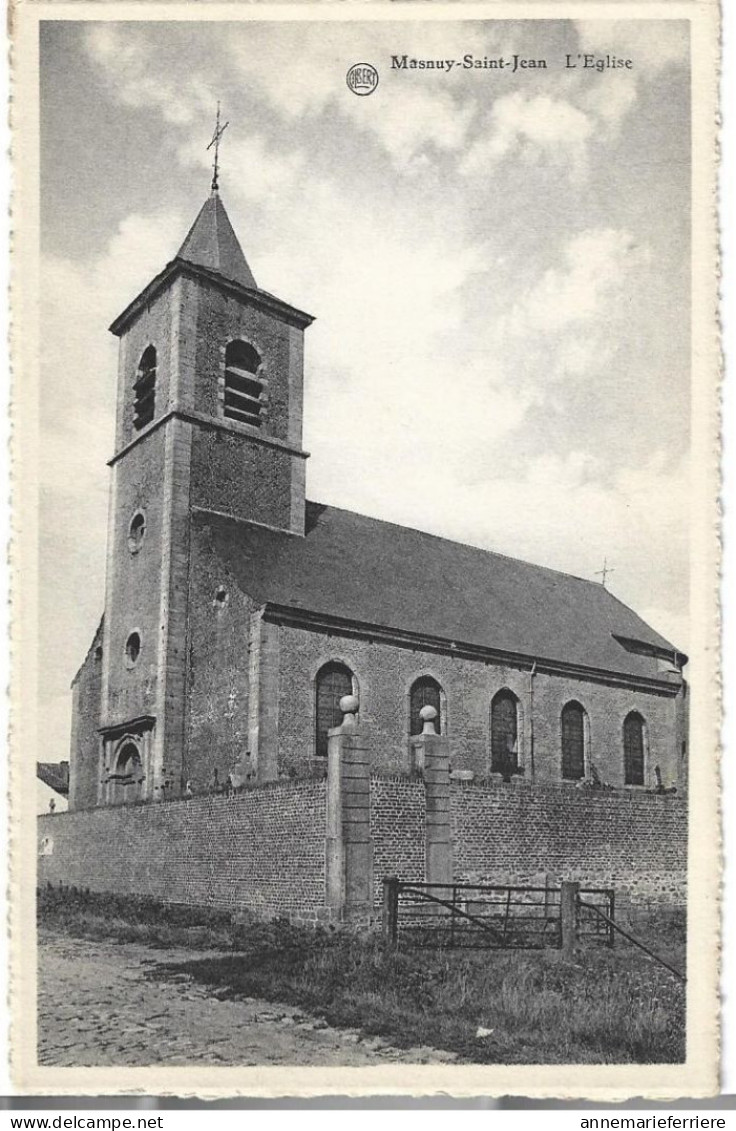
x=425, y=692
x=573, y=742
x=244, y=389
x=129, y=773
x=505, y=734
x=333, y=681
x=634, y=749
x=144, y=388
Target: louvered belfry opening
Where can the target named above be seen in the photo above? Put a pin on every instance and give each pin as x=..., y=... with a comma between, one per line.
x=425, y=692
x=573, y=742
x=505, y=734
x=634, y=749
x=333, y=681
x=244, y=388
x=144, y=387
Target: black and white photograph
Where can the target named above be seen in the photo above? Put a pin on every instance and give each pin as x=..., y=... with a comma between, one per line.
x=369, y=701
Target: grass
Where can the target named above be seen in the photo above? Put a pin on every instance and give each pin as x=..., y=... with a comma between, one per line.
x=609, y=1006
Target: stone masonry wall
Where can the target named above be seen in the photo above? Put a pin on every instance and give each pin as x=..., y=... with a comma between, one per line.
x=233, y=471
x=218, y=683
x=84, y=760
x=384, y=674
x=518, y=834
x=134, y=581
x=220, y=318
x=233, y=475
x=153, y=327
x=261, y=850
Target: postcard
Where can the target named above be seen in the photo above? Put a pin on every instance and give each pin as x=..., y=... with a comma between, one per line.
x=366, y=629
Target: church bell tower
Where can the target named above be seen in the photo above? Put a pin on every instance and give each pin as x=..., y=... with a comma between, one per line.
x=209, y=418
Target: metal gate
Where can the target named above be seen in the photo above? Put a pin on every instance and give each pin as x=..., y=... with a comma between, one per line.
x=492, y=916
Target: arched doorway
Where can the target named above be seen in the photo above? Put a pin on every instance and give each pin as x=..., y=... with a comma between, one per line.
x=128, y=774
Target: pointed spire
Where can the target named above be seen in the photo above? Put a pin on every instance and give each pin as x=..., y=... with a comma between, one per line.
x=212, y=243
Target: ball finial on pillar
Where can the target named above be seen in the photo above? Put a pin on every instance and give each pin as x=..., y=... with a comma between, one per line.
x=428, y=715
x=349, y=705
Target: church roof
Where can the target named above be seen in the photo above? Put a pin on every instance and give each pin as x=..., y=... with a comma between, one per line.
x=211, y=242
x=375, y=573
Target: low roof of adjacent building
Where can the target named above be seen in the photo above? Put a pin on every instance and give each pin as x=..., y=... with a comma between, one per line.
x=371, y=572
x=55, y=775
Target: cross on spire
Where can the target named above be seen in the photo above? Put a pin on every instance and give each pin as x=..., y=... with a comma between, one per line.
x=603, y=573
x=219, y=131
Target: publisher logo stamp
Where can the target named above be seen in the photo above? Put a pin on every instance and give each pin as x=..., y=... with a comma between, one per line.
x=362, y=78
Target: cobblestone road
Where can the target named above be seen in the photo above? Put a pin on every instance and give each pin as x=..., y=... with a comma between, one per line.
x=97, y=1006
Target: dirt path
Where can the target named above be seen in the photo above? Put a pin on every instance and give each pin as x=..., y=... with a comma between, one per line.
x=98, y=1007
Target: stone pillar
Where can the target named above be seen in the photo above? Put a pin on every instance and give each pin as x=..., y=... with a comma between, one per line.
x=569, y=894
x=263, y=697
x=431, y=755
x=349, y=848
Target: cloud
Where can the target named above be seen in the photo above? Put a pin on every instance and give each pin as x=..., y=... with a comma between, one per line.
x=595, y=266
x=415, y=123
x=299, y=74
x=404, y=118
x=258, y=170
x=652, y=45
x=132, y=66
x=566, y=323
x=609, y=99
x=531, y=128
x=80, y=299
x=579, y=110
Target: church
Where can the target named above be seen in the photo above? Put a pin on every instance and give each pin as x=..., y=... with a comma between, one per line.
x=238, y=613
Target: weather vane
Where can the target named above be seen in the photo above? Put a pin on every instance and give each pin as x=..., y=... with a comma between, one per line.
x=219, y=131
x=603, y=573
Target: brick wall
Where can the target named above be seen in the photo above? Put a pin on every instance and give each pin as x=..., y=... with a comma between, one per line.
x=518, y=834
x=397, y=829
x=262, y=850
x=633, y=842
x=385, y=673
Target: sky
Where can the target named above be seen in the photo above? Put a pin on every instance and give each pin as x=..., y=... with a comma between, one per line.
x=498, y=263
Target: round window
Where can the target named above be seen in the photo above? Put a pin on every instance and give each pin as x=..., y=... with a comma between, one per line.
x=132, y=649
x=136, y=532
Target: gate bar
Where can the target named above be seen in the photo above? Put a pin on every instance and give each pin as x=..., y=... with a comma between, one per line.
x=636, y=942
